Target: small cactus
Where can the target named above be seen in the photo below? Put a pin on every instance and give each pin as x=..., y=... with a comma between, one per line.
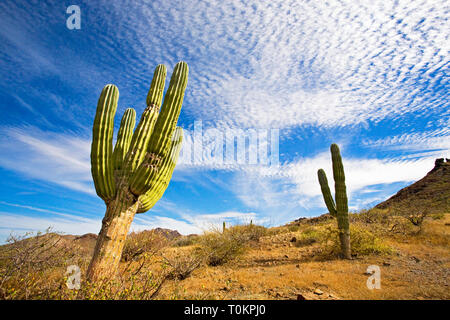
x=339, y=209
x=223, y=227
x=133, y=176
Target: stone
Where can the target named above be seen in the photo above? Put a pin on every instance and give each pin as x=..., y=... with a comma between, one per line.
x=318, y=292
x=300, y=297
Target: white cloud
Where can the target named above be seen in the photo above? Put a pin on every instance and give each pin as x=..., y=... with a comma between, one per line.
x=293, y=189
x=68, y=224
x=288, y=63
x=436, y=141
x=59, y=158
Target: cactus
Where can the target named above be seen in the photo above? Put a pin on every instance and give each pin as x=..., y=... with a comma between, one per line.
x=133, y=176
x=339, y=209
x=224, y=227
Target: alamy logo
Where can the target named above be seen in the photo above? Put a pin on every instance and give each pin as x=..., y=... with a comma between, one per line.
x=229, y=146
x=74, y=20
x=74, y=279
x=374, y=281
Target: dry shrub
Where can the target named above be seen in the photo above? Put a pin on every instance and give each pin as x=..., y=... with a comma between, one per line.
x=140, y=284
x=362, y=241
x=220, y=247
x=182, y=263
x=35, y=266
x=371, y=216
x=31, y=265
x=248, y=233
x=138, y=243
x=185, y=241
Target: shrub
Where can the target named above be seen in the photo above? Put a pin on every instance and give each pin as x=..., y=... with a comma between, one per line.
x=293, y=227
x=308, y=237
x=29, y=264
x=363, y=242
x=185, y=241
x=437, y=216
x=183, y=262
x=248, y=233
x=138, y=243
x=220, y=247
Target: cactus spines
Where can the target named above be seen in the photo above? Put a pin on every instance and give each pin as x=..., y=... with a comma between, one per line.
x=152, y=149
x=340, y=210
x=101, y=149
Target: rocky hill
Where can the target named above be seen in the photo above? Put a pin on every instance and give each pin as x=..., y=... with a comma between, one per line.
x=433, y=189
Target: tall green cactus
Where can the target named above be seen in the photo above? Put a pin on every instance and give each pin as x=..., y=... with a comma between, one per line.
x=133, y=177
x=340, y=209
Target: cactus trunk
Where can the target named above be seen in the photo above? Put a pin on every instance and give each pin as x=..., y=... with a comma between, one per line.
x=340, y=209
x=134, y=176
x=111, y=239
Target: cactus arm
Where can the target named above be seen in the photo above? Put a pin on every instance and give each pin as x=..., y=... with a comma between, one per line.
x=149, y=199
x=124, y=138
x=160, y=142
x=142, y=134
x=327, y=197
x=156, y=91
x=101, y=147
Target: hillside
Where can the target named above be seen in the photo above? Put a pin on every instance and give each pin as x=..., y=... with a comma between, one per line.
x=433, y=188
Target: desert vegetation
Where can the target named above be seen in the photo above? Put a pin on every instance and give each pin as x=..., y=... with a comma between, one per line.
x=300, y=259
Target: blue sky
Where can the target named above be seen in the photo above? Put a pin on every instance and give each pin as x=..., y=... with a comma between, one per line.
x=371, y=76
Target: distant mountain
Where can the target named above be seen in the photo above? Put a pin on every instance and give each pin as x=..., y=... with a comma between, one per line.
x=433, y=189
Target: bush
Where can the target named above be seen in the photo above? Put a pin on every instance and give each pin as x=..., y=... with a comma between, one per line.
x=185, y=241
x=248, y=233
x=220, y=247
x=138, y=243
x=437, y=216
x=372, y=216
x=362, y=242
x=35, y=267
x=308, y=237
x=31, y=265
x=183, y=262
x=293, y=227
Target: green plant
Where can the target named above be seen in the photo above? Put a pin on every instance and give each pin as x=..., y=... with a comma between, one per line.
x=340, y=208
x=133, y=177
x=363, y=242
x=307, y=237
